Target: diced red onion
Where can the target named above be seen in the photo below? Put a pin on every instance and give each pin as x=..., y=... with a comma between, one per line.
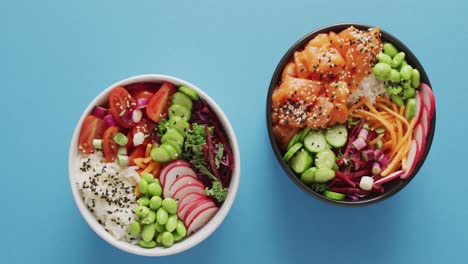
x=142, y=103
x=368, y=155
x=376, y=169
x=359, y=143
x=363, y=134
x=109, y=120
x=99, y=111
x=136, y=115
x=377, y=153
x=383, y=159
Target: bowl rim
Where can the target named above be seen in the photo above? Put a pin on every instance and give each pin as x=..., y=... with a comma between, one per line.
x=198, y=236
x=276, y=77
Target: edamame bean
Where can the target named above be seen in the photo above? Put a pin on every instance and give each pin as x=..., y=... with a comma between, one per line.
x=141, y=210
x=170, y=205
x=403, y=63
x=143, y=186
x=406, y=72
x=415, y=78
x=143, y=201
x=394, y=76
x=154, y=189
x=180, y=229
x=171, y=224
x=148, y=232
x=161, y=216
x=382, y=70
x=397, y=100
x=155, y=202
x=409, y=93
x=149, y=218
x=167, y=239
x=406, y=84
x=390, y=50
x=159, y=238
x=159, y=228
x=150, y=244
x=148, y=177
x=384, y=58
x=396, y=90
x=135, y=228
x=176, y=236
x=396, y=62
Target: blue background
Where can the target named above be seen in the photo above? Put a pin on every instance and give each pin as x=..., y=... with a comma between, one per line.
x=57, y=55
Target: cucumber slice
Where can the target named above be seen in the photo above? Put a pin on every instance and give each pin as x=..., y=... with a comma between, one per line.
x=304, y=133
x=179, y=124
x=334, y=195
x=294, y=140
x=190, y=92
x=292, y=151
x=177, y=147
x=182, y=99
x=325, y=159
x=160, y=154
x=337, y=136
x=170, y=149
x=301, y=161
x=410, y=109
x=323, y=175
x=174, y=135
x=180, y=111
x=308, y=176
x=315, y=141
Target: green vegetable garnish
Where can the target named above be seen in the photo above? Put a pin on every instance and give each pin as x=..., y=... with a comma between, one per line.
x=163, y=126
x=219, y=155
x=217, y=191
x=319, y=187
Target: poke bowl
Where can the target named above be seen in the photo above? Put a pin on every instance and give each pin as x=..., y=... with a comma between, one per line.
x=154, y=165
x=350, y=114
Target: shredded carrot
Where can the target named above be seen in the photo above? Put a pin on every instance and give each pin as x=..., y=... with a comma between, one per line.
x=153, y=165
x=147, y=160
x=148, y=150
x=403, y=164
x=139, y=162
x=379, y=137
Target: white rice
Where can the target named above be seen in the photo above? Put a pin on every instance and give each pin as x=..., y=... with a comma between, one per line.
x=369, y=87
x=108, y=191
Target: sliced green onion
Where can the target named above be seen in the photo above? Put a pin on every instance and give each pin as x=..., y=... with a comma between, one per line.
x=120, y=139
x=97, y=143
x=122, y=151
x=380, y=130
x=122, y=113
x=366, y=126
x=378, y=144
x=122, y=160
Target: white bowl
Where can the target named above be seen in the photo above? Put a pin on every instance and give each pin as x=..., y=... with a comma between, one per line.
x=193, y=239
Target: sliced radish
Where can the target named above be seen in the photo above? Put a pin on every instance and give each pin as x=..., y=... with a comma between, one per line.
x=195, y=208
x=419, y=106
x=172, y=175
x=201, y=219
x=162, y=172
x=412, y=159
x=429, y=99
x=425, y=118
x=186, y=178
x=388, y=178
x=190, y=197
x=188, y=188
x=420, y=138
x=182, y=211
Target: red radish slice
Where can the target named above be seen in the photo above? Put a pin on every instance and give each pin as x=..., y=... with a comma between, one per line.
x=190, y=197
x=388, y=178
x=195, y=208
x=163, y=171
x=429, y=99
x=412, y=159
x=425, y=118
x=182, y=211
x=186, y=178
x=419, y=106
x=420, y=138
x=188, y=188
x=172, y=175
x=201, y=219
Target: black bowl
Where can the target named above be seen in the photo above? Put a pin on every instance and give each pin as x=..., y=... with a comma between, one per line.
x=391, y=187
